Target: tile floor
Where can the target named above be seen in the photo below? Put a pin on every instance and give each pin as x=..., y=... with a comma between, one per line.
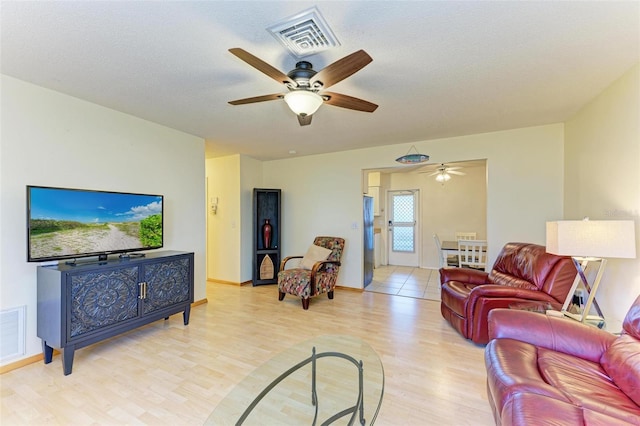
x=406, y=281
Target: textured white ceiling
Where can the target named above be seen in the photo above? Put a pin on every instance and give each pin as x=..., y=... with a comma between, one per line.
x=439, y=68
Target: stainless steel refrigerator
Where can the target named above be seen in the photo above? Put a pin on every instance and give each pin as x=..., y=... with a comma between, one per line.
x=367, y=207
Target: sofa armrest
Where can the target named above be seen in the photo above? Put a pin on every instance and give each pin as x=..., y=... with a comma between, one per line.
x=483, y=299
x=463, y=275
x=554, y=333
x=503, y=291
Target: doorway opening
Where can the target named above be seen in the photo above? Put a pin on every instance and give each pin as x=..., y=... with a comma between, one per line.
x=443, y=207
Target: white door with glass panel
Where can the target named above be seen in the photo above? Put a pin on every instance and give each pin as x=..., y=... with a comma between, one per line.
x=403, y=227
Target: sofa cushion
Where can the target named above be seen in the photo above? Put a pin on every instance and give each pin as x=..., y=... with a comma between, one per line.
x=571, y=374
x=585, y=383
x=512, y=368
x=502, y=278
x=622, y=362
x=526, y=409
x=296, y=281
x=523, y=265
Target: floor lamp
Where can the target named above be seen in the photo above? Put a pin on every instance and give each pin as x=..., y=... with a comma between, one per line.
x=590, y=241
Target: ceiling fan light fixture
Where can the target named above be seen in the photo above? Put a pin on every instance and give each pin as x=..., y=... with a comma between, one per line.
x=303, y=102
x=443, y=177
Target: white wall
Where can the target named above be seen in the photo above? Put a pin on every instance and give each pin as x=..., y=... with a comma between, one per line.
x=602, y=181
x=322, y=194
x=231, y=180
x=223, y=230
x=51, y=139
x=250, y=178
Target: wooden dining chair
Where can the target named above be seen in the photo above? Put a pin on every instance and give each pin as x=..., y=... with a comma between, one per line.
x=445, y=259
x=466, y=235
x=472, y=254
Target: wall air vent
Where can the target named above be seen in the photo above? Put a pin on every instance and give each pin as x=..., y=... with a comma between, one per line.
x=12, y=333
x=304, y=34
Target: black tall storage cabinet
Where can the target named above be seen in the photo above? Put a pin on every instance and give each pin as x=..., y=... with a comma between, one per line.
x=266, y=248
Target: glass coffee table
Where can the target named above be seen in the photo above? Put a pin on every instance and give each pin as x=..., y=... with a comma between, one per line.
x=325, y=380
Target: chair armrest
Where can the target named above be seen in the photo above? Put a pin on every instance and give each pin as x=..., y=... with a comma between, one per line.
x=286, y=259
x=318, y=265
x=463, y=275
x=554, y=333
x=314, y=271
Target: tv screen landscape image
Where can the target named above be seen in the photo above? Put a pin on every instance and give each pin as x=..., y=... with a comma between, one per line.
x=66, y=223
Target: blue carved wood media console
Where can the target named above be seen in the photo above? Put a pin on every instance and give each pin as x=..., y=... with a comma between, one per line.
x=82, y=304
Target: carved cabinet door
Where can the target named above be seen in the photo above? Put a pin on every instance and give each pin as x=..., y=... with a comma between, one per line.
x=100, y=299
x=167, y=283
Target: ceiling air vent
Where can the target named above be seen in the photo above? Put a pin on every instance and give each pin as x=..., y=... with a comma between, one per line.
x=304, y=34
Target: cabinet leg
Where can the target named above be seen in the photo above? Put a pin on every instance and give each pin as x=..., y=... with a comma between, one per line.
x=67, y=359
x=47, y=351
x=185, y=315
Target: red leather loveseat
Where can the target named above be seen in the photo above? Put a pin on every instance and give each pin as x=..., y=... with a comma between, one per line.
x=522, y=273
x=549, y=370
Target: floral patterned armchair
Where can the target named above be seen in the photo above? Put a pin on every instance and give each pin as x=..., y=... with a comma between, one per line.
x=321, y=278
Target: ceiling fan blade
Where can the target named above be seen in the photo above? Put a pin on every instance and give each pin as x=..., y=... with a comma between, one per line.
x=349, y=102
x=453, y=172
x=341, y=69
x=304, y=121
x=261, y=65
x=257, y=99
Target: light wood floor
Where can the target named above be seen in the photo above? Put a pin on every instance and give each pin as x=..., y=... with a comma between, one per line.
x=169, y=374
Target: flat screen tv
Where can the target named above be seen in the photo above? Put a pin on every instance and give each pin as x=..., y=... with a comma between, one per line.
x=65, y=223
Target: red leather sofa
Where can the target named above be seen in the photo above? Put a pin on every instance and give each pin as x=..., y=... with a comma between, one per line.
x=544, y=370
x=522, y=273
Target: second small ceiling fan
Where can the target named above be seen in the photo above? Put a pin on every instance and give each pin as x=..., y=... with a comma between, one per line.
x=306, y=86
x=443, y=173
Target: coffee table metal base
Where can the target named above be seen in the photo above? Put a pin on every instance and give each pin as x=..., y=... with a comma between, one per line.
x=354, y=410
x=341, y=370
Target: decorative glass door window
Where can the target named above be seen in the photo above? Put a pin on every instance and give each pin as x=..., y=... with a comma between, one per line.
x=404, y=223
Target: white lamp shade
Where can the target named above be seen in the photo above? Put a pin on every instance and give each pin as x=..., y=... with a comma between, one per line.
x=303, y=102
x=592, y=238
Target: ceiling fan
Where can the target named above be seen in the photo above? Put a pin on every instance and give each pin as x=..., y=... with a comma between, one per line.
x=304, y=84
x=443, y=173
